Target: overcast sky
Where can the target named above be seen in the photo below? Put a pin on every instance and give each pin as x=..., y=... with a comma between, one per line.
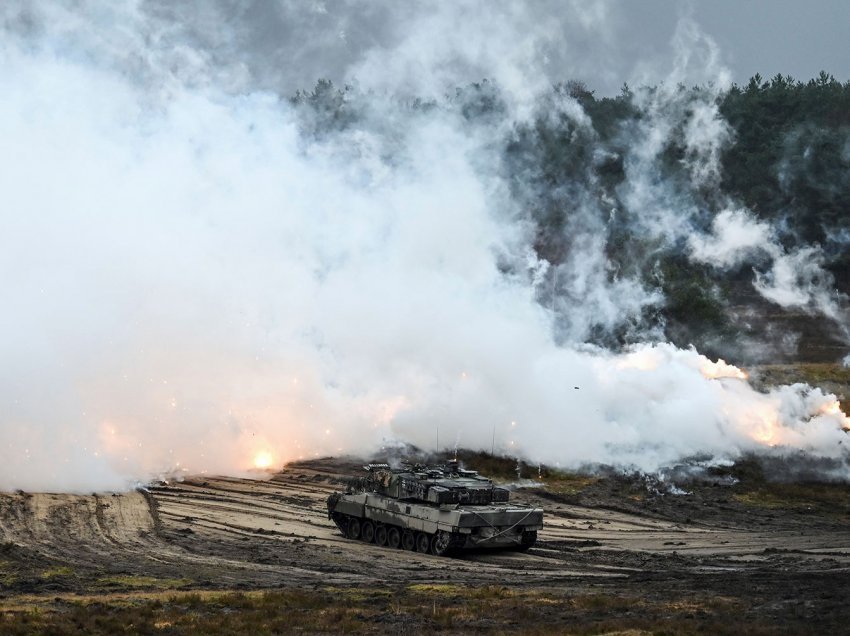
x=288, y=44
x=754, y=36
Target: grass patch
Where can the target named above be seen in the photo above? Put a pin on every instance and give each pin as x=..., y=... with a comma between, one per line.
x=57, y=572
x=832, y=377
x=485, y=592
x=437, y=588
x=604, y=602
x=821, y=498
x=562, y=483
x=812, y=372
x=714, y=604
x=134, y=581
x=413, y=609
x=358, y=594
x=8, y=576
x=759, y=487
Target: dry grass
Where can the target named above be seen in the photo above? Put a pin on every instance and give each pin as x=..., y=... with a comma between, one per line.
x=135, y=581
x=7, y=574
x=562, y=483
x=831, y=377
x=758, y=487
x=414, y=609
x=55, y=573
x=813, y=373
x=823, y=499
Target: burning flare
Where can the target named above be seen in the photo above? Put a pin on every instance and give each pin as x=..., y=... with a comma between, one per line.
x=263, y=460
x=833, y=408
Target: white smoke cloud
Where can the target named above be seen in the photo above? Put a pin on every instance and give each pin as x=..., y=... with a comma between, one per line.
x=190, y=282
x=523, y=48
x=673, y=115
x=706, y=134
x=735, y=237
x=795, y=278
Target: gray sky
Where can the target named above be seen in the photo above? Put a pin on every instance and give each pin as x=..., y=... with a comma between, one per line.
x=288, y=44
x=754, y=36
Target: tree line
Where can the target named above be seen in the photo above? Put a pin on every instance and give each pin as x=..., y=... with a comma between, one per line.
x=786, y=159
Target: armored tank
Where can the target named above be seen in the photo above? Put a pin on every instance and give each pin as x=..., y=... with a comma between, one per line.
x=436, y=509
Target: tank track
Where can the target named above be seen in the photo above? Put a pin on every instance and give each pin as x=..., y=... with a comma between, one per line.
x=396, y=537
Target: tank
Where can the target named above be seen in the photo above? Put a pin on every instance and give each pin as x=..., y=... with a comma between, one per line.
x=435, y=509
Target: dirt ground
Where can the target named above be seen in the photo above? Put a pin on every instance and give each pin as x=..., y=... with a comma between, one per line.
x=616, y=553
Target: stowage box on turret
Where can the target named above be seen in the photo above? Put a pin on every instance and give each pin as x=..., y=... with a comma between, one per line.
x=432, y=509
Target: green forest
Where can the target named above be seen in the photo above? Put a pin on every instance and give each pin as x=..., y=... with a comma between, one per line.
x=783, y=155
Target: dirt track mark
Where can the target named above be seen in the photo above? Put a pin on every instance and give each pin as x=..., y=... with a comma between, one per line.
x=226, y=532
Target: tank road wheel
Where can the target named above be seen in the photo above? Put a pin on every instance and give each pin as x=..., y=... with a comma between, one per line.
x=367, y=531
x=393, y=537
x=423, y=542
x=381, y=535
x=353, y=528
x=440, y=543
x=529, y=538
x=408, y=540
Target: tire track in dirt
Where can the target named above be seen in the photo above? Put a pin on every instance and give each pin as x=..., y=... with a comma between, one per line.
x=224, y=532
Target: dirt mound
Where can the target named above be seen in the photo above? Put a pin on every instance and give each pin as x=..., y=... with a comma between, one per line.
x=62, y=524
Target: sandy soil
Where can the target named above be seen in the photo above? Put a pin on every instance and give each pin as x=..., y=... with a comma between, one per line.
x=224, y=533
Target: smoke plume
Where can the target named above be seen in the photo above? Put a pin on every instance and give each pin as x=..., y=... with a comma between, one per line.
x=202, y=275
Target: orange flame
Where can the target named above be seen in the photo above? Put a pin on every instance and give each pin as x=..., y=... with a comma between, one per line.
x=263, y=460
x=834, y=408
x=768, y=429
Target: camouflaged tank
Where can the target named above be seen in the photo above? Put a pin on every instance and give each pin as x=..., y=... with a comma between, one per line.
x=432, y=509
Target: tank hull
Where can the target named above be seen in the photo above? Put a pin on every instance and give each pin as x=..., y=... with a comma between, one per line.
x=453, y=527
